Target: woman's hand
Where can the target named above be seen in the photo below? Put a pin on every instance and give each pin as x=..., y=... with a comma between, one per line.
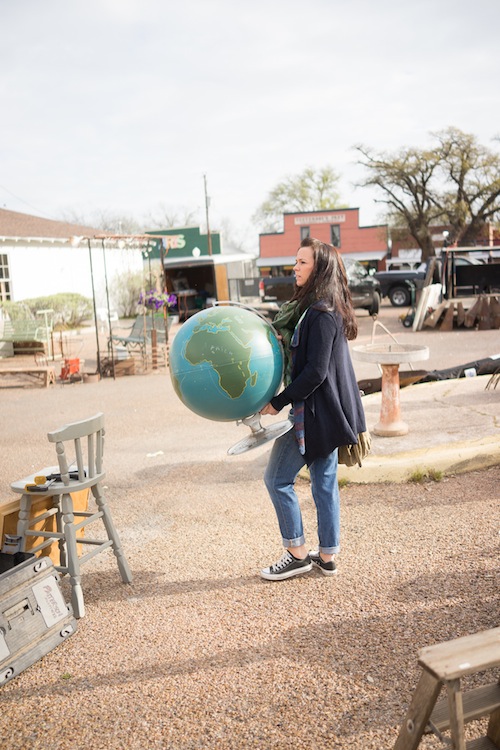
x=269, y=409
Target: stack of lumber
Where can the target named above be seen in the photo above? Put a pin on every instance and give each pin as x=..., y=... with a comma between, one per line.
x=483, y=315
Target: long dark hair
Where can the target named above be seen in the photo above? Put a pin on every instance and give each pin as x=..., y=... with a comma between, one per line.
x=328, y=283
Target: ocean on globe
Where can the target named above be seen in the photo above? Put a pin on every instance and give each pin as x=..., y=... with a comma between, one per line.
x=226, y=363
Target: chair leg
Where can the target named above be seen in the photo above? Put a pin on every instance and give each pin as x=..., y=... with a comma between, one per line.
x=112, y=534
x=73, y=564
x=23, y=519
x=63, y=552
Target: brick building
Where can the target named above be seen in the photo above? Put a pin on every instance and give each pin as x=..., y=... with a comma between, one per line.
x=339, y=227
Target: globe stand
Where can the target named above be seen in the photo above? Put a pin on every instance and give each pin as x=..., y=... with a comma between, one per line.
x=259, y=435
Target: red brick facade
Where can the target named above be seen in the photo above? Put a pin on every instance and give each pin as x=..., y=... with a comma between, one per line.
x=369, y=244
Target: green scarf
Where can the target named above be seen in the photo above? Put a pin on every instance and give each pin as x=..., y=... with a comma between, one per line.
x=285, y=321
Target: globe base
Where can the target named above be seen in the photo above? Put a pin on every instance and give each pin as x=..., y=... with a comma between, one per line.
x=259, y=435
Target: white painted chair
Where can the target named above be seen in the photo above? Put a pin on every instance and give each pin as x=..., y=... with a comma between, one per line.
x=85, y=439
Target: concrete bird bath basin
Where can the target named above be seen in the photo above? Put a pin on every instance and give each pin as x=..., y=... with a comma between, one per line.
x=389, y=357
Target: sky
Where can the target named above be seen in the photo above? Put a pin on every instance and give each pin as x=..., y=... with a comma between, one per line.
x=131, y=106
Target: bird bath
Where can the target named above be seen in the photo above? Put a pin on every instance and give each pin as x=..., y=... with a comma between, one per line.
x=389, y=357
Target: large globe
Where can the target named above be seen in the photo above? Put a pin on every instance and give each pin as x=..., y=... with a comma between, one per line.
x=226, y=363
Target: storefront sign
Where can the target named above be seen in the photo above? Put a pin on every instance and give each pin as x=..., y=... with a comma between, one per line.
x=325, y=219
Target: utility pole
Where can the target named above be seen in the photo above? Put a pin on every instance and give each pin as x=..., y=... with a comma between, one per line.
x=207, y=201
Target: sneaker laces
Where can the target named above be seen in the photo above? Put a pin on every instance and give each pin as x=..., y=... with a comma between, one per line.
x=284, y=560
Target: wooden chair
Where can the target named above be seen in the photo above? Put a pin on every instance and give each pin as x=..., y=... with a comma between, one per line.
x=85, y=471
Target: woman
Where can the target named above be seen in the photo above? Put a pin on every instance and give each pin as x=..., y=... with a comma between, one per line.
x=327, y=411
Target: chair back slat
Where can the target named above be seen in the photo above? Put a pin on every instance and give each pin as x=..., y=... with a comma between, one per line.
x=87, y=442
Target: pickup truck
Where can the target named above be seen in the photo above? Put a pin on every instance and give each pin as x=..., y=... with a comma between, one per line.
x=397, y=285
x=364, y=288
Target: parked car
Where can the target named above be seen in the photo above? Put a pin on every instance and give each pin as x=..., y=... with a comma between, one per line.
x=364, y=288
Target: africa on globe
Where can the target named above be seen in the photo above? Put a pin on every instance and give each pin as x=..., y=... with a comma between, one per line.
x=226, y=363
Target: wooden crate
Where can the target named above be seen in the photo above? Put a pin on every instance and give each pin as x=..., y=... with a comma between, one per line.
x=9, y=512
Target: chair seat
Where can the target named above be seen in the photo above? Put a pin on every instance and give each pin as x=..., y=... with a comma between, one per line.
x=56, y=487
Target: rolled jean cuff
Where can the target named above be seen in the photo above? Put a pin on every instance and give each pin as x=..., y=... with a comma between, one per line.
x=329, y=550
x=294, y=542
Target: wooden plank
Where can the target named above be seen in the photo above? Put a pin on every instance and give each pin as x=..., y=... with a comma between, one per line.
x=471, y=653
x=478, y=702
x=472, y=313
x=494, y=312
x=455, y=702
x=447, y=322
x=482, y=743
x=460, y=314
x=433, y=318
x=419, y=712
x=493, y=732
x=484, y=315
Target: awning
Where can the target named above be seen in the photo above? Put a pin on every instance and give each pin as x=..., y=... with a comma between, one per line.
x=367, y=255
x=280, y=260
x=217, y=259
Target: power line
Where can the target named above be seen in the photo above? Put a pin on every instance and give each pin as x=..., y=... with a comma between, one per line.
x=25, y=202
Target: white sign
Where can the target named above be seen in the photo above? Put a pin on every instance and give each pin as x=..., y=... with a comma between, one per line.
x=50, y=601
x=329, y=219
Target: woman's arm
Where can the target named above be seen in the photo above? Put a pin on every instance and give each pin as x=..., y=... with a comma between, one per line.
x=318, y=338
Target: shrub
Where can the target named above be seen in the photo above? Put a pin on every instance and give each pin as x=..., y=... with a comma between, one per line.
x=70, y=309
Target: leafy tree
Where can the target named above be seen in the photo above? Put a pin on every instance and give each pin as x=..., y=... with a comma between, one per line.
x=455, y=183
x=311, y=190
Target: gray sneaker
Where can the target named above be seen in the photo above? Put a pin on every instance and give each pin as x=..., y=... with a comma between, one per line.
x=286, y=567
x=327, y=568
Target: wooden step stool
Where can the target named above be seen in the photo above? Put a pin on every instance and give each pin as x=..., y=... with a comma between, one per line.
x=444, y=665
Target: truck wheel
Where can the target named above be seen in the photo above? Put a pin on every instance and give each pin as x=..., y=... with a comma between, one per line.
x=375, y=305
x=399, y=296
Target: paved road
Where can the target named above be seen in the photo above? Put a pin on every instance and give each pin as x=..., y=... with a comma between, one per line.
x=455, y=421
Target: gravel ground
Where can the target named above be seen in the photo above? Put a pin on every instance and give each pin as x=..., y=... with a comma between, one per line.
x=199, y=652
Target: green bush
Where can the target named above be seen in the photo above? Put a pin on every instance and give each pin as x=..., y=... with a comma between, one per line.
x=70, y=309
x=16, y=311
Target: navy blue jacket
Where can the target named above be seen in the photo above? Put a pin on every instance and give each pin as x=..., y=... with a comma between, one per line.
x=323, y=377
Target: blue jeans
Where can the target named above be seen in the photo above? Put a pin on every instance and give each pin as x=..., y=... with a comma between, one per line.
x=284, y=464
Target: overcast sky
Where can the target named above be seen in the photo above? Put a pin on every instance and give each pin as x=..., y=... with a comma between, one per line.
x=124, y=105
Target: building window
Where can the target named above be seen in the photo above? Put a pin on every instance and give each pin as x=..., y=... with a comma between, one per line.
x=335, y=234
x=4, y=279
x=304, y=232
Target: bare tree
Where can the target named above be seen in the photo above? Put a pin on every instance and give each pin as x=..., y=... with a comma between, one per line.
x=311, y=190
x=406, y=179
x=474, y=172
x=456, y=183
x=165, y=218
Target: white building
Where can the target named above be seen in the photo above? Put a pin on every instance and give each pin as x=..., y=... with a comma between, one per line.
x=40, y=257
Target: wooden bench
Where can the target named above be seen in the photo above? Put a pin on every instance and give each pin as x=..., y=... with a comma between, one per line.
x=443, y=665
x=46, y=374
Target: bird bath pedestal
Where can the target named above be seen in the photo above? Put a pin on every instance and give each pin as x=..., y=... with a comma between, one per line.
x=389, y=357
